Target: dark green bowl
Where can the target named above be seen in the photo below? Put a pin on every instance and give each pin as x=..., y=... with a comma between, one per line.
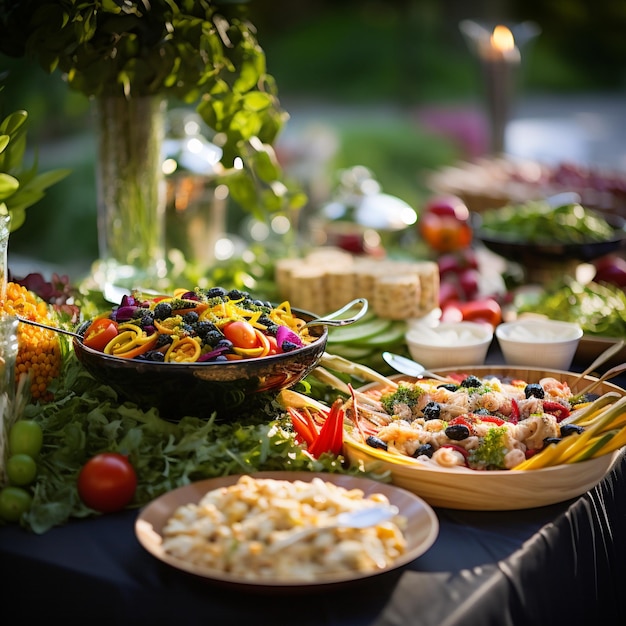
x=200, y=389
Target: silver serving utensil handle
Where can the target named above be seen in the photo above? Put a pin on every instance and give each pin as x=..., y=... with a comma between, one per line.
x=410, y=368
x=361, y=518
x=330, y=319
x=63, y=331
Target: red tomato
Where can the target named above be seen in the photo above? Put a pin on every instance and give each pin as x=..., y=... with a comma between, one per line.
x=107, y=482
x=99, y=333
x=241, y=333
x=273, y=345
x=445, y=233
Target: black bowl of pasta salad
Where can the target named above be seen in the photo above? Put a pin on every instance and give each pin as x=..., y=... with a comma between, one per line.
x=199, y=352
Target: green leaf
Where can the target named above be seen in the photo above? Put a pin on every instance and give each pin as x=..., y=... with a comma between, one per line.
x=8, y=185
x=4, y=142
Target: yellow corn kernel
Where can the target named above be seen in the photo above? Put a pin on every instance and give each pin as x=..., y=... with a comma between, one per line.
x=39, y=350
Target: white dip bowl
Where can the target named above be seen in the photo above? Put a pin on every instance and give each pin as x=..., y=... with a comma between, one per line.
x=539, y=342
x=449, y=344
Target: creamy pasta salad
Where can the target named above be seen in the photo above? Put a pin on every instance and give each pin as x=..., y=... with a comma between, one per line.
x=232, y=530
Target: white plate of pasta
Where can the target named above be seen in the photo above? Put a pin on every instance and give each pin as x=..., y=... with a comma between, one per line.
x=458, y=478
x=240, y=516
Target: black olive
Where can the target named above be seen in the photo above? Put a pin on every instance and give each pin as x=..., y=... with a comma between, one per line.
x=163, y=340
x=457, y=432
x=162, y=311
x=534, y=389
x=570, y=429
x=471, y=382
x=548, y=440
x=425, y=449
x=216, y=292
x=432, y=411
x=203, y=328
x=375, y=442
x=190, y=317
x=448, y=386
x=224, y=343
x=237, y=294
x=212, y=337
x=288, y=346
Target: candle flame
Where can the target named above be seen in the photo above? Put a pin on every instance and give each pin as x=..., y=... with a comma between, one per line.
x=502, y=39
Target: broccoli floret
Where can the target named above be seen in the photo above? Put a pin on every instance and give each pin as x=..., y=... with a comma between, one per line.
x=489, y=455
x=406, y=394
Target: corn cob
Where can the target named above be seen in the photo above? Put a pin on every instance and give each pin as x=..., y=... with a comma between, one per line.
x=39, y=350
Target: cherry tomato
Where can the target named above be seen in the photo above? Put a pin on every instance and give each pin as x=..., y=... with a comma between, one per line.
x=241, y=333
x=99, y=333
x=107, y=482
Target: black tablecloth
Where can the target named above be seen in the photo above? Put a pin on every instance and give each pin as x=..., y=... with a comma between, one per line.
x=560, y=564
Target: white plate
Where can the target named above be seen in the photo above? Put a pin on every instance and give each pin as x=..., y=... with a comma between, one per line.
x=421, y=531
x=498, y=490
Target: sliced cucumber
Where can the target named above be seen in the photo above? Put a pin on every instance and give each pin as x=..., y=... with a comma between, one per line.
x=351, y=351
x=390, y=337
x=359, y=332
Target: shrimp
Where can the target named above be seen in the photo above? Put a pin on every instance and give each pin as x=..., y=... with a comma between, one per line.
x=448, y=457
x=555, y=388
x=513, y=457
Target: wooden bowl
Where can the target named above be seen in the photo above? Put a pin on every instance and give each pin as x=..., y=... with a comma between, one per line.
x=498, y=490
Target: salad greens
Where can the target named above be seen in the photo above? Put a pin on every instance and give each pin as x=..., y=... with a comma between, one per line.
x=86, y=418
x=599, y=308
x=537, y=221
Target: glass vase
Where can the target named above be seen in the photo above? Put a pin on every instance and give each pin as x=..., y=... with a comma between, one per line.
x=5, y=229
x=131, y=194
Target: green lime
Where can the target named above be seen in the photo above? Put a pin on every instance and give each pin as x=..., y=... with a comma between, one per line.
x=21, y=469
x=25, y=437
x=14, y=502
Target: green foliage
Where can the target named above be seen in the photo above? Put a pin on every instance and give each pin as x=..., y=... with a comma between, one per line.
x=201, y=52
x=489, y=455
x=20, y=188
x=405, y=394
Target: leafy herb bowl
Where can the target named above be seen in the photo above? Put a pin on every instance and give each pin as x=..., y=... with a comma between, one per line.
x=202, y=389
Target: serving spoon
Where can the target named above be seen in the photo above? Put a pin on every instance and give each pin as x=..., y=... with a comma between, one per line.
x=410, y=368
x=614, y=371
x=63, y=331
x=331, y=318
x=361, y=518
x=327, y=320
x=602, y=358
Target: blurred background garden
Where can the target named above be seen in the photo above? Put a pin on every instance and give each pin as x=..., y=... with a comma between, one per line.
x=387, y=84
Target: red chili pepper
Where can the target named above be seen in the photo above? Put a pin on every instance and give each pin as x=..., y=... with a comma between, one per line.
x=557, y=409
x=305, y=429
x=464, y=420
x=492, y=419
x=515, y=413
x=330, y=438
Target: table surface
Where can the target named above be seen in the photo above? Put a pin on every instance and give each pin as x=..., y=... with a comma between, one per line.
x=564, y=563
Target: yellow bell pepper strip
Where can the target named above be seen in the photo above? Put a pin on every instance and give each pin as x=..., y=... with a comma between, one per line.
x=264, y=341
x=183, y=350
x=164, y=329
x=140, y=348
